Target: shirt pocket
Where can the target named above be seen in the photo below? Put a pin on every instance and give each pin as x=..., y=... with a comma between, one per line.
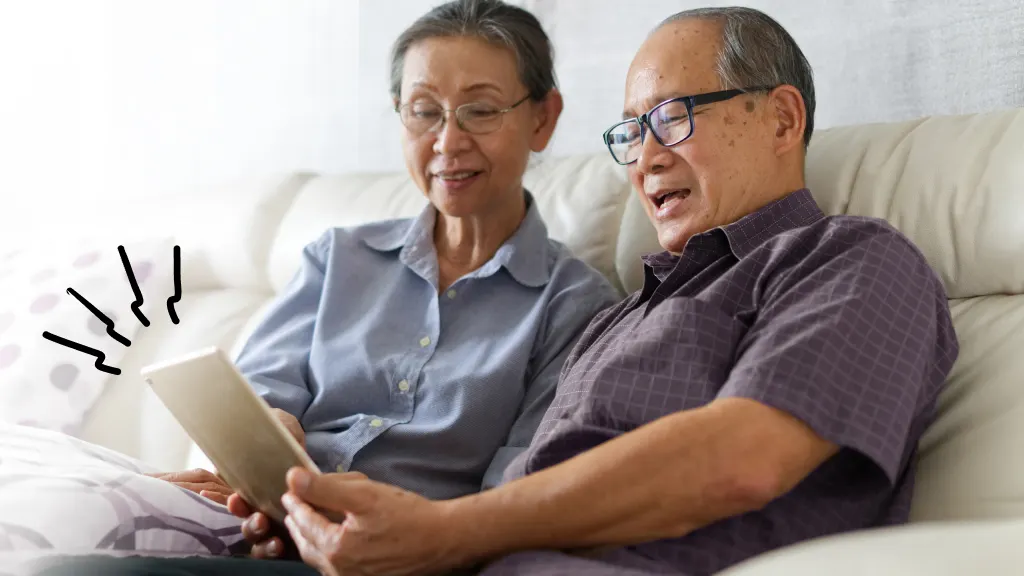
x=676, y=358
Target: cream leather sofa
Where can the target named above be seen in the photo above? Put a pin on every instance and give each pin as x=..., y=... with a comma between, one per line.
x=954, y=185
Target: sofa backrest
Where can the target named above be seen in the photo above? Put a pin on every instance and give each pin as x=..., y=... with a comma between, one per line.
x=954, y=185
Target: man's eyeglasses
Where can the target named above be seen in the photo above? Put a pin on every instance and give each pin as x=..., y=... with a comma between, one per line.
x=670, y=122
x=476, y=117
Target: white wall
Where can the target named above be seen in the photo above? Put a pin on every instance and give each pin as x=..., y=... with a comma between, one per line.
x=148, y=98
x=874, y=60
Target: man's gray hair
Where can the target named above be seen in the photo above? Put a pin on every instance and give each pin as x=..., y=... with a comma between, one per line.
x=493, y=21
x=757, y=51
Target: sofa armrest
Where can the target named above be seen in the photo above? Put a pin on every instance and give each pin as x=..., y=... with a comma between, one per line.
x=990, y=547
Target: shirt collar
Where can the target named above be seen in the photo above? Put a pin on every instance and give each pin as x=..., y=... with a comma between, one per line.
x=524, y=254
x=795, y=210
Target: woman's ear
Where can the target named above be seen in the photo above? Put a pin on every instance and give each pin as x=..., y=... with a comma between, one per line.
x=546, y=113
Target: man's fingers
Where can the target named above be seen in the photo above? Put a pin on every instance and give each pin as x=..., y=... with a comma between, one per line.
x=310, y=553
x=329, y=492
x=315, y=528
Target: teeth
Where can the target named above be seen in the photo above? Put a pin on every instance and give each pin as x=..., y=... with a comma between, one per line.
x=661, y=199
x=456, y=175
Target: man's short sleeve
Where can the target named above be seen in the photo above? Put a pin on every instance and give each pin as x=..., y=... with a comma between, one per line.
x=855, y=341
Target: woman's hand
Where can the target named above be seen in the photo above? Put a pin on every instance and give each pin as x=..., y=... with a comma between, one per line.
x=386, y=530
x=292, y=425
x=206, y=484
x=268, y=540
x=212, y=486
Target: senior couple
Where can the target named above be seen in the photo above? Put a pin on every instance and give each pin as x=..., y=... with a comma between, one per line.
x=481, y=401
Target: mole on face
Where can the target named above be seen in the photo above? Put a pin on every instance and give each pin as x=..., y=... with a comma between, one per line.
x=750, y=106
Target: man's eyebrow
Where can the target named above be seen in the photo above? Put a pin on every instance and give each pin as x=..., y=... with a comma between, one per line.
x=627, y=114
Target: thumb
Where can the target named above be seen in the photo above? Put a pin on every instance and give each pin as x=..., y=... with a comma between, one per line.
x=351, y=495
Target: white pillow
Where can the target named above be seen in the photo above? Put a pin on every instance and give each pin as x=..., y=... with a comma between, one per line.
x=60, y=494
x=43, y=383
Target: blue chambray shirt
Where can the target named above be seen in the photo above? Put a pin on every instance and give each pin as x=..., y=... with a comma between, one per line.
x=435, y=393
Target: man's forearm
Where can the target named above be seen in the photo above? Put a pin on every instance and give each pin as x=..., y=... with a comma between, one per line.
x=662, y=480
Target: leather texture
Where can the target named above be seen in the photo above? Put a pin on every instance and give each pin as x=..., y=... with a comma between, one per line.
x=953, y=184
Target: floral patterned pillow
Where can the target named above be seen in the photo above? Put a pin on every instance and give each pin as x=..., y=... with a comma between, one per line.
x=44, y=382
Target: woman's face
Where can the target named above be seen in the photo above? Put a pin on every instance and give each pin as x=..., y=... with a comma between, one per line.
x=465, y=174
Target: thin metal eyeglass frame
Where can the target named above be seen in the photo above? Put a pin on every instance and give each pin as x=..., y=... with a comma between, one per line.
x=644, y=120
x=458, y=121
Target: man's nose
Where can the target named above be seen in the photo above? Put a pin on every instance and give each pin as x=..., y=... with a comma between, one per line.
x=652, y=154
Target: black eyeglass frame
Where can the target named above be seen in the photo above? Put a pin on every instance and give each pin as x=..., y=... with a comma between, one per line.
x=644, y=120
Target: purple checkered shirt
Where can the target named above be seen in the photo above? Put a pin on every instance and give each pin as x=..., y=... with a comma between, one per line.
x=838, y=321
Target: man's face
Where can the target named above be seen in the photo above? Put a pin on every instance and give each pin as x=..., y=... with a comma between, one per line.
x=712, y=178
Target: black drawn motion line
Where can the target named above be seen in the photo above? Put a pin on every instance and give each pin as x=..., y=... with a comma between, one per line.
x=102, y=318
x=135, y=287
x=100, y=356
x=177, y=286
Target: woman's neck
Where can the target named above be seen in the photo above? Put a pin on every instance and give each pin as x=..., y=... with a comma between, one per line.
x=467, y=243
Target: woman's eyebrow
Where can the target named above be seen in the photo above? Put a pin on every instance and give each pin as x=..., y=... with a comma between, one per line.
x=483, y=86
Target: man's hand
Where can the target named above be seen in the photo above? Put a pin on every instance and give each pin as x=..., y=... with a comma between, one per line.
x=269, y=540
x=206, y=484
x=386, y=530
x=292, y=425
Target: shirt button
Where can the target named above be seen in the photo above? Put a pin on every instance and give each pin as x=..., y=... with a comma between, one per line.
x=340, y=469
x=376, y=423
x=451, y=294
x=403, y=385
x=425, y=341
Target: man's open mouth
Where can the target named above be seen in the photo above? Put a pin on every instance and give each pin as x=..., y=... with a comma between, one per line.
x=667, y=195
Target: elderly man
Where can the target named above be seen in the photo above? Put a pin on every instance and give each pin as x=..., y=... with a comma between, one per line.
x=768, y=384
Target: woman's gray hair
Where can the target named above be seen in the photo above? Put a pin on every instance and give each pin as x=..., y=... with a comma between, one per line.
x=757, y=51
x=493, y=21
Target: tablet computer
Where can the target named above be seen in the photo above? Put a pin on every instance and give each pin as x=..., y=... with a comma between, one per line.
x=214, y=403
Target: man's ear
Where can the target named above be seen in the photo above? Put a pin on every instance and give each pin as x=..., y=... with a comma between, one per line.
x=790, y=118
x=546, y=113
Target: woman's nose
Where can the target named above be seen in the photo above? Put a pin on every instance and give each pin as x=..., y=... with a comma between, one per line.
x=451, y=139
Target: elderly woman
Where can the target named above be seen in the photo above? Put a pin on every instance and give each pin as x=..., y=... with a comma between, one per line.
x=424, y=352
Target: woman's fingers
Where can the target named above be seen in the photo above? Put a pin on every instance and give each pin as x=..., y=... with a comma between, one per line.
x=256, y=528
x=217, y=497
x=192, y=476
x=207, y=486
x=272, y=548
x=239, y=507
